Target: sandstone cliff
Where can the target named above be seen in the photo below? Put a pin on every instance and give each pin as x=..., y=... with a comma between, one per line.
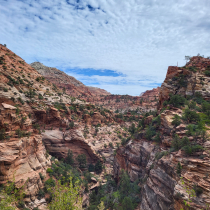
x=158, y=164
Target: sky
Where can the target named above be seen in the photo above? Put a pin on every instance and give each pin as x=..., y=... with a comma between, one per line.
x=122, y=46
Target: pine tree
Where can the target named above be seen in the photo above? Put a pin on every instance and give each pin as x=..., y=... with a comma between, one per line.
x=179, y=169
x=69, y=159
x=98, y=167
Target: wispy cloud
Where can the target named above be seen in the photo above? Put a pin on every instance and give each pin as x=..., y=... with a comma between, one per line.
x=135, y=38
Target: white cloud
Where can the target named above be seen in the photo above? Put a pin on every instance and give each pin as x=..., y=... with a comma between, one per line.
x=138, y=38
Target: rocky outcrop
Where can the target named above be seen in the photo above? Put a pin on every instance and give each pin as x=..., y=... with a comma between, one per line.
x=161, y=187
x=98, y=91
x=21, y=161
x=58, y=143
x=187, y=80
x=154, y=93
x=158, y=183
x=72, y=86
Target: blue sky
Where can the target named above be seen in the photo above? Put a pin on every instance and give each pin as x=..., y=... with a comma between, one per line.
x=123, y=46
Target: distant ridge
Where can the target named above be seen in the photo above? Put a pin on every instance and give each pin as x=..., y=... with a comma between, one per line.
x=71, y=85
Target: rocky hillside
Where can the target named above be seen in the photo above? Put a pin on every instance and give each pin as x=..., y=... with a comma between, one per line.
x=145, y=153
x=170, y=153
x=67, y=83
x=38, y=119
x=126, y=103
x=97, y=96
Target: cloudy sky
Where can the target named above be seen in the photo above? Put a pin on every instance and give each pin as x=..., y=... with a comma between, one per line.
x=123, y=46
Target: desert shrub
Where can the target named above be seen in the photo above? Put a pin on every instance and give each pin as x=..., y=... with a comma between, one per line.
x=5, y=89
x=41, y=176
x=207, y=73
x=111, y=145
x=176, y=101
x=150, y=132
x=50, y=183
x=192, y=105
x=49, y=171
x=21, y=133
x=21, y=204
x=191, y=116
x=176, y=143
x=198, y=190
x=158, y=138
x=71, y=125
x=41, y=194
x=30, y=94
x=36, y=126
x=176, y=120
x=21, y=100
x=185, y=141
x=40, y=97
x=179, y=168
x=191, y=149
x=181, y=80
x=159, y=155
x=2, y=134
x=156, y=121
x=198, y=98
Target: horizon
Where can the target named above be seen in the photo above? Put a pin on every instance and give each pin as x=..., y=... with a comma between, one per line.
x=122, y=47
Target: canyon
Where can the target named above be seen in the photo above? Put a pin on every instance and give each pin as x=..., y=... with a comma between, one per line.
x=45, y=113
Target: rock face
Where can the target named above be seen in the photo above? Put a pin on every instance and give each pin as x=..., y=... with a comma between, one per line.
x=159, y=181
x=72, y=86
x=23, y=160
x=155, y=165
x=151, y=93
x=186, y=80
x=58, y=143
x=138, y=158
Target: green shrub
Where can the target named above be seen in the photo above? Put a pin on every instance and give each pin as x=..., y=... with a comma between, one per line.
x=91, y=168
x=159, y=155
x=191, y=116
x=40, y=97
x=70, y=159
x=81, y=159
x=41, y=194
x=111, y=145
x=185, y=141
x=176, y=120
x=181, y=80
x=98, y=167
x=190, y=149
x=176, y=143
x=50, y=183
x=21, y=101
x=192, y=105
x=158, y=138
x=150, y=132
x=207, y=73
x=2, y=134
x=71, y=125
x=176, y=100
x=49, y=170
x=5, y=90
x=41, y=176
x=198, y=190
x=179, y=168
